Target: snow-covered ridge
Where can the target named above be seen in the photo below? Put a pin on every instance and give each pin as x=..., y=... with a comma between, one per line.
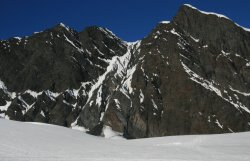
x=244, y=28
x=18, y=38
x=64, y=26
x=216, y=14
x=207, y=13
x=164, y=22
x=5, y=90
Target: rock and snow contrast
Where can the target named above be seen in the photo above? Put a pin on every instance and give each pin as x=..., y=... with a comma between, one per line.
x=42, y=142
x=190, y=75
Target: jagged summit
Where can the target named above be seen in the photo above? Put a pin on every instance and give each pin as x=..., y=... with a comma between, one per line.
x=188, y=76
x=188, y=9
x=61, y=25
x=188, y=6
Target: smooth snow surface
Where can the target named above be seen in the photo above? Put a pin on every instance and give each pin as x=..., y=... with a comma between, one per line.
x=40, y=142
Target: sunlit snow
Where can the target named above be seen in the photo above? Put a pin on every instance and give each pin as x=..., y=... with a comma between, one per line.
x=41, y=142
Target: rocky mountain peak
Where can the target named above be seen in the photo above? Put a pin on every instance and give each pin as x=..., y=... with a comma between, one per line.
x=212, y=28
x=62, y=28
x=191, y=14
x=188, y=76
x=104, y=39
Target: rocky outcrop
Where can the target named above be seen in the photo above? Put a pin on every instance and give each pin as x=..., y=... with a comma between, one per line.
x=188, y=76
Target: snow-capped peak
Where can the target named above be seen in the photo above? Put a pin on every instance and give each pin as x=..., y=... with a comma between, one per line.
x=207, y=13
x=215, y=14
x=164, y=22
x=64, y=26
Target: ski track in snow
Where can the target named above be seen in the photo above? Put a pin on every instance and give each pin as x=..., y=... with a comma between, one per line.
x=41, y=142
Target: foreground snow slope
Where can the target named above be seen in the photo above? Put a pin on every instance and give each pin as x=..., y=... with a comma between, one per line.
x=40, y=142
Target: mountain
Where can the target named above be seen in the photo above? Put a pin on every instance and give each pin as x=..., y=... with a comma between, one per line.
x=188, y=76
x=42, y=142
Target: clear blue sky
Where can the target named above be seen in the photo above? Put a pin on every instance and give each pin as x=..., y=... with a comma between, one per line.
x=128, y=19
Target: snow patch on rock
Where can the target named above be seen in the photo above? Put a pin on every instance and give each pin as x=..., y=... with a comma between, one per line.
x=109, y=133
x=212, y=87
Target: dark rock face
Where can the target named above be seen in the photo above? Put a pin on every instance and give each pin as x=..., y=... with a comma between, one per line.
x=188, y=76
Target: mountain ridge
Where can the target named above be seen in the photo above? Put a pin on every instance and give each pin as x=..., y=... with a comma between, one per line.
x=152, y=87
